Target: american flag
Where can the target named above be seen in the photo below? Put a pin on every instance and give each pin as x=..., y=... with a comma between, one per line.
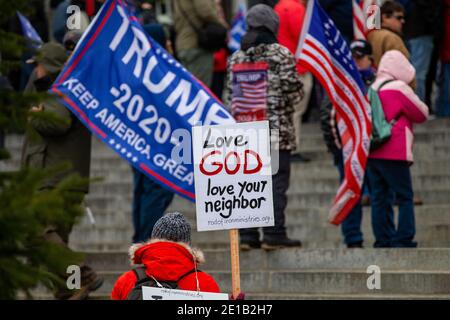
x=238, y=28
x=361, y=10
x=249, y=102
x=324, y=52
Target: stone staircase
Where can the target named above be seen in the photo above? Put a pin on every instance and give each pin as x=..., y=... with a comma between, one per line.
x=324, y=268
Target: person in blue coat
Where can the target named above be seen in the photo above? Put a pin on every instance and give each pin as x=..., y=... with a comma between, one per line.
x=150, y=199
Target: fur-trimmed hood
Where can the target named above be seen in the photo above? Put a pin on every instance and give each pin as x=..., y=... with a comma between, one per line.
x=394, y=65
x=165, y=259
x=196, y=253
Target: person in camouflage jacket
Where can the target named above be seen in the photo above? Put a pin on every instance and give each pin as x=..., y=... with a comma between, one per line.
x=263, y=84
x=284, y=87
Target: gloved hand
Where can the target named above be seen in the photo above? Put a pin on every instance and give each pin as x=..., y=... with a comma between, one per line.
x=241, y=296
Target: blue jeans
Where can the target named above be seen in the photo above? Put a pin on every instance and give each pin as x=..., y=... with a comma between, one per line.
x=150, y=201
x=421, y=49
x=443, y=99
x=351, y=226
x=386, y=175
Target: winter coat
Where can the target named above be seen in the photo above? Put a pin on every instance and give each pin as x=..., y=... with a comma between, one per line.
x=58, y=138
x=328, y=125
x=399, y=102
x=341, y=12
x=383, y=40
x=291, y=14
x=198, y=12
x=165, y=261
x=220, y=60
x=284, y=87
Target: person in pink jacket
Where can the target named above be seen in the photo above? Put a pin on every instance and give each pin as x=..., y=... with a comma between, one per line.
x=388, y=167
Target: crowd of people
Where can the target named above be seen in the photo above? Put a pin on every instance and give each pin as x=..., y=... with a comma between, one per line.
x=403, y=63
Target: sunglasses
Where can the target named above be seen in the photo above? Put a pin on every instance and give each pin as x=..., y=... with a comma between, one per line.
x=400, y=18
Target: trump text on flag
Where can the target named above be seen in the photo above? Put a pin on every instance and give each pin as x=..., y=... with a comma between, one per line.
x=137, y=98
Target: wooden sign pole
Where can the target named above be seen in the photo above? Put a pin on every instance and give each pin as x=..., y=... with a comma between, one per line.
x=235, y=270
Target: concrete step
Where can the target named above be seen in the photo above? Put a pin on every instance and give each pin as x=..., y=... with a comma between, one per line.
x=117, y=170
x=108, y=246
x=301, y=259
x=324, y=269
x=426, y=215
x=426, y=173
x=319, y=169
x=274, y=296
x=312, y=144
x=421, y=151
x=113, y=229
x=425, y=232
x=308, y=199
x=43, y=295
x=429, y=126
x=312, y=184
x=313, y=274
x=324, y=282
x=438, y=129
x=313, y=128
x=304, y=199
x=427, y=236
x=435, y=138
x=309, y=143
x=317, y=217
x=431, y=236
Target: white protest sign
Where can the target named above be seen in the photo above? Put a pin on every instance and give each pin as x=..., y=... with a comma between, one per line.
x=233, y=176
x=153, y=293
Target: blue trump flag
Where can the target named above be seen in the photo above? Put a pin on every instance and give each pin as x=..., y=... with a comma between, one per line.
x=136, y=98
x=238, y=28
x=29, y=31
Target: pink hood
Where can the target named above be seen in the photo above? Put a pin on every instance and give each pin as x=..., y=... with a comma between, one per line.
x=400, y=103
x=394, y=65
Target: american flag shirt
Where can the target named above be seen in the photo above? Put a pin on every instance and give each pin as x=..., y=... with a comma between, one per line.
x=263, y=84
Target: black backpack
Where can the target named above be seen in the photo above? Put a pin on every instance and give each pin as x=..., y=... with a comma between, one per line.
x=143, y=280
x=211, y=36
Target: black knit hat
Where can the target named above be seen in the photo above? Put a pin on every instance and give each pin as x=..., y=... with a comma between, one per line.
x=172, y=227
x=262, y=15
x=360, y=48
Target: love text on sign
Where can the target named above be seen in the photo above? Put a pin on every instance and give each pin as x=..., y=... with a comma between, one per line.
x=233, y=176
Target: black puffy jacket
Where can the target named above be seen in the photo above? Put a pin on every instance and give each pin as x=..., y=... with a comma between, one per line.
x=328, y=126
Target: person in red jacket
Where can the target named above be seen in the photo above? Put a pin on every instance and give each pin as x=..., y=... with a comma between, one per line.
x=167, y=256
x=291, y=14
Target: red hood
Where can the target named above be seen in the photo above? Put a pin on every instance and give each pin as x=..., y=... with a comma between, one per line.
x=166, y=260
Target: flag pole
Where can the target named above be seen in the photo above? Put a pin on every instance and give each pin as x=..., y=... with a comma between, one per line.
x=235, y=269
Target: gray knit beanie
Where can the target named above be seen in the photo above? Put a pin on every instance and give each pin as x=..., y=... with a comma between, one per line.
x=262, y=15
x=172, y=227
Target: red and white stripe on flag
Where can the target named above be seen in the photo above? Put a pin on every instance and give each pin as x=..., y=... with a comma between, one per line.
x=360, y=17
x=325, y=54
